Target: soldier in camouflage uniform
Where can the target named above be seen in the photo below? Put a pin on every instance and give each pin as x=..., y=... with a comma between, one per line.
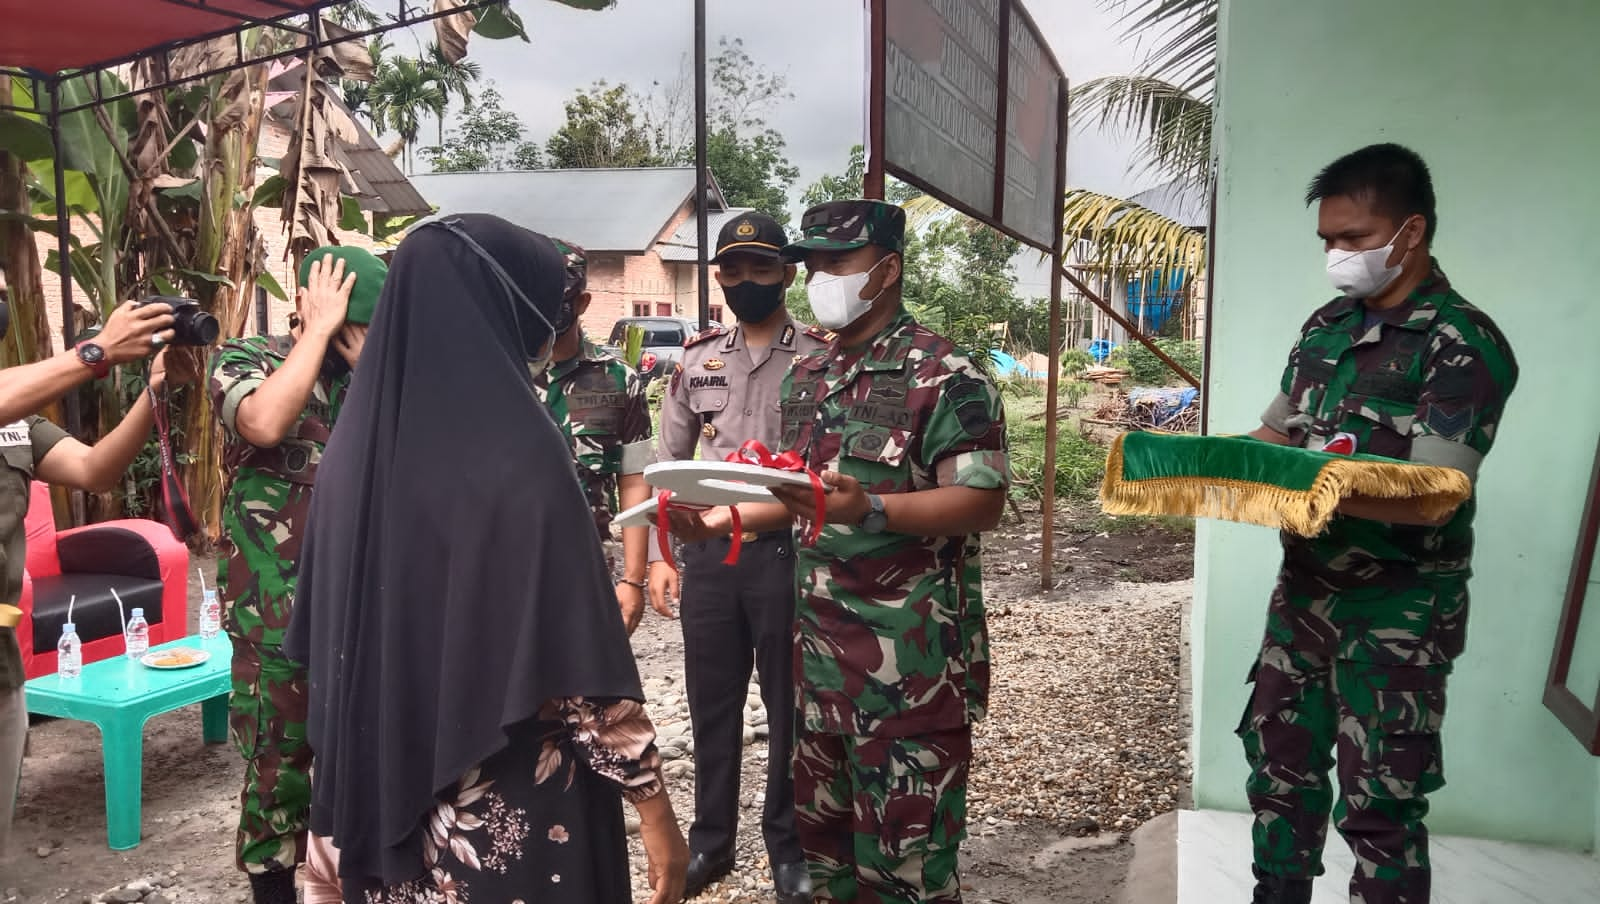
x=600, y=406
x=891, y=644
x=278, y=398
x=1367, y=618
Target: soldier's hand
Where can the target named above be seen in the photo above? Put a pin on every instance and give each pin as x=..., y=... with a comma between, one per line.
x=349, y=341
x=847, y=499
x=130, y=330
x=325, y=298
x=663, y=588
x=631, y=600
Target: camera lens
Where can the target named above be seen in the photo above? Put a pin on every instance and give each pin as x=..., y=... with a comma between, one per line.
x=193, y=326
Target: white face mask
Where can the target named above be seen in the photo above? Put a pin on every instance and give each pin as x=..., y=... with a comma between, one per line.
x=1363, y=274
x=837, y=301
x=537, y=366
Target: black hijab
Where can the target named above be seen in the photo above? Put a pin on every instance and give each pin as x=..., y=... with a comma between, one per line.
x=447, y=585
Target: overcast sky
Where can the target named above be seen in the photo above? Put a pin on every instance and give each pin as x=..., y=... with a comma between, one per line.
x=816, y=44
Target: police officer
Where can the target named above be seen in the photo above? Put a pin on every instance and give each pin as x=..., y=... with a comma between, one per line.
x=278, y=398
x=1367, y=618
x=724, y=393
x=600, y=406
x=35, y=449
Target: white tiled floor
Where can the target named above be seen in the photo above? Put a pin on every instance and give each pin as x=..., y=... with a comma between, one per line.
x=1214, y=867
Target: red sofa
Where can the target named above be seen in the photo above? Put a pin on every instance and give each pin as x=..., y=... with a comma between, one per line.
x=141, y=559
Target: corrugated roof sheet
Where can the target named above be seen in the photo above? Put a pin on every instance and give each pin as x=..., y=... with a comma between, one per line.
x=380, y=186
x=619, y=210
x=683, y=246
x=1182, y=202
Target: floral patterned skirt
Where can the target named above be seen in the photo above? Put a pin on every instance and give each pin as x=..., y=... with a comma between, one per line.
x=513, y=832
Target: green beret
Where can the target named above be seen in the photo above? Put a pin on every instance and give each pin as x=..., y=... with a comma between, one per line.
x=369, y=272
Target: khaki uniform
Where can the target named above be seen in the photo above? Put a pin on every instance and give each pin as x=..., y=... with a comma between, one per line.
x=23, y=445
x=736, y=617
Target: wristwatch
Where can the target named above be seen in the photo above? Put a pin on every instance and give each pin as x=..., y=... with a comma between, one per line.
x=94, y=358
x=875, y=520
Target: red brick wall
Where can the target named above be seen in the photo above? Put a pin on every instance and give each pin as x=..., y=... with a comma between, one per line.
x=618, y=281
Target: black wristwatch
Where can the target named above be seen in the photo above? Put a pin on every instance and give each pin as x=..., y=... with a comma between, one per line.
x=94, y=358
x=875, y=520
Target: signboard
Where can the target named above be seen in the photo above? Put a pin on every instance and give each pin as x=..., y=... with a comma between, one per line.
x=970, y=100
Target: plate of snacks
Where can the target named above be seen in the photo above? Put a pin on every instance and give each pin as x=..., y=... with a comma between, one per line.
x=174, y=658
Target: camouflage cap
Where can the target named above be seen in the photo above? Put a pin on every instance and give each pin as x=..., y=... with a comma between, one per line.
x=847, y=225
x=577, y=261
x=370, y=273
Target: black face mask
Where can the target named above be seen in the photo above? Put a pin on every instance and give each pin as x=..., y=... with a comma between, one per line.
x=753, y=302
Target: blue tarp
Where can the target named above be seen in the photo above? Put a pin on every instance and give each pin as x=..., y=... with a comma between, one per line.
x=1153, y=299
x=1168, y=403
x=1008, y=366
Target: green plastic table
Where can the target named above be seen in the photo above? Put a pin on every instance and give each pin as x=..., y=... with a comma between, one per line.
x=119, y=695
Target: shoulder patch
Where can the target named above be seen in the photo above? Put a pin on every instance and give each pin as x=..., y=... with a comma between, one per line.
x=970, y=398
x=710, y=332
x=818, y=333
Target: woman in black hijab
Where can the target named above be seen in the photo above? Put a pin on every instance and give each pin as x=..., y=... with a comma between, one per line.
x=474, y=704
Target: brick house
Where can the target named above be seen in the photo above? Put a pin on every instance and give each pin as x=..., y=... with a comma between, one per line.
x=637, y=225
x=373, y=179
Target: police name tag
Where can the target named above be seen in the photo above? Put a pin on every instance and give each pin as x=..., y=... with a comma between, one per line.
x=16, y=434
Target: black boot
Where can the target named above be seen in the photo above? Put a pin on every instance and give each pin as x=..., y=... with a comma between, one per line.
x=1272, y=889
x=275, y=887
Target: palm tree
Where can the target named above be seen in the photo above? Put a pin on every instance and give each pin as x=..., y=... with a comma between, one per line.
x=401, y=95
x=358, y=95
x=1168, y=104
x=455, y=79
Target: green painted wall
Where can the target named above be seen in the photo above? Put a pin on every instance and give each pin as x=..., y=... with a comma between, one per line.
x=1501, y=99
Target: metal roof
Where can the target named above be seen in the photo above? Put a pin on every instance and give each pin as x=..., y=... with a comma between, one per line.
x=618, y=210
x=379, y=185
x=1183, y=202
x=683, y=246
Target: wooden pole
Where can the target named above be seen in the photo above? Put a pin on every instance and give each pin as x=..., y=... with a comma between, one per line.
x=877, y=79
x=1053, y=380
x=702, y=177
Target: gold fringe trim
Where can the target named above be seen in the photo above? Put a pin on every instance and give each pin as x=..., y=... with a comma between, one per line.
x=1437, y=491
x=10, y=616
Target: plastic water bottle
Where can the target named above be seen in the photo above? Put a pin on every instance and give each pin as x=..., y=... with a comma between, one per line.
x=69, y=652
x=210, y=614
x=137, y=635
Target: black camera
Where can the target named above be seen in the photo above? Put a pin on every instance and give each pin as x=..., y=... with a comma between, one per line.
x=190, y=325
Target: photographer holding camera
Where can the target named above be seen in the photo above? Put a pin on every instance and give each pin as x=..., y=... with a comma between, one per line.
x=35, y=449
x=277, y=398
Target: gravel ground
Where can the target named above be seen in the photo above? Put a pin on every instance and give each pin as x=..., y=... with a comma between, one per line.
x=1084, y=742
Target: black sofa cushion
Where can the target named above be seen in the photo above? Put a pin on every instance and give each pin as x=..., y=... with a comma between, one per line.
x=95, y=612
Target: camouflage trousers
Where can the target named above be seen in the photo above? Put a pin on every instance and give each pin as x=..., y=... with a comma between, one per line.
x=267, y=716
x=882, y=819
x=1310, y=713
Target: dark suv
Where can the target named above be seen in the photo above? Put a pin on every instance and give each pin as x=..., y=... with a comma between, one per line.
x=663, y=338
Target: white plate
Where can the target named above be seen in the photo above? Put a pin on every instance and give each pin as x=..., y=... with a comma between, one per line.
x=197, y=657
x=707, y=483
x=719, y=482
